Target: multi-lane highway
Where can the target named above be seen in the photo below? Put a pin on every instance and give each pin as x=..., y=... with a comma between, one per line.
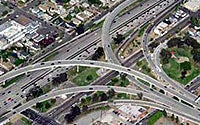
x=72, y=50
x=68, y=52
x=88, y=63
x=178, y=108
x=169, y=104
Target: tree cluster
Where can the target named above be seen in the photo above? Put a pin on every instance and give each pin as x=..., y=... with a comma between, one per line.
x=118, y=39
x=61, y=78
x=97, y=2
x=80, y=29
x=179, y=42
x=165, y=56
x=74, y=111
x=98, y=53
x=34, y=92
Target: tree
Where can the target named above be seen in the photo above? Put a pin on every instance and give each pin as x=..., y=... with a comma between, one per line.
x=164, y=113
x=162, y=91
x=83, y=100
x=75, y=110
x=47, y=105
x=185, y=66
x=4, y=13
x=80, y=29
x=173, y=42
x=35, y=92
x=172, y=117
x=104, y=97
x=196, y=57
x=165, y=55
x=89, y=77
x=97, y=2
x=95, y=98
x=177, y=119
x=194, y=21
x=56, y=81
x=98, y=53
x=63, y=77
x=118, y=39
x=69, y=118
x=38, y=105
x=123, y=76
x=140, y=95
x=84, y=108
x=111, y=93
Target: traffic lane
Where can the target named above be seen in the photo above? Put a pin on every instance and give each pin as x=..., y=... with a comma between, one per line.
x=100, y=65
x=180, y=107
x=40, y=82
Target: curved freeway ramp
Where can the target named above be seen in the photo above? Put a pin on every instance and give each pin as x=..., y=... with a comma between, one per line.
x=170, y=106
x=89, y=63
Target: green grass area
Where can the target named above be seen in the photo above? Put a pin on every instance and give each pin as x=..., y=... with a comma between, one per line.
x=152, y=120
x=45, y=105
x=144, y=82
x=98, y=25
x=26, y=121
x=86, y=77
x=123, y=96
x=21, y=2
x=130, y=7
x=73, y=71
x=12, y=81
x=51, y=56
x=19, y=61
x=142, y=29
x=47, y=88
x=143, y=66
x=123, y=82
x=173, y=70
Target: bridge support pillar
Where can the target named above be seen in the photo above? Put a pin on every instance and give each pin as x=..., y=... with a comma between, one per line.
x=151, y=86
x=4, y=82
x=77, y=69
x=198, y=98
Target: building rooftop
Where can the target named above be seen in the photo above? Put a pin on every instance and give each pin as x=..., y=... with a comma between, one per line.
x=192, y=5
x=23, y=20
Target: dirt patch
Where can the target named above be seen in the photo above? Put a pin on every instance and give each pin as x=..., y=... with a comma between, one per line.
x=165, y=121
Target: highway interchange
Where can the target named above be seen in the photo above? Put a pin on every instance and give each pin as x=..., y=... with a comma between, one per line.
x=175, y=107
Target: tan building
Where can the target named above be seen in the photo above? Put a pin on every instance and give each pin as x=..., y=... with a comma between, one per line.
x=192, y=5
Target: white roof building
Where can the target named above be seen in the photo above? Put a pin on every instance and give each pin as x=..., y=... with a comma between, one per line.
x=192, y=5
x=11, y=32
x=73, y=2
x=129, y=111
x=160, y=28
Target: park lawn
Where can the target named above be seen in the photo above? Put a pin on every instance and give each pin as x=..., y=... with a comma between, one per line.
x=152, y=120
x=173, y=68
x=86, y=77
x=73, y=72
x=43, y=108
x=119, y=82
x=26, y=121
